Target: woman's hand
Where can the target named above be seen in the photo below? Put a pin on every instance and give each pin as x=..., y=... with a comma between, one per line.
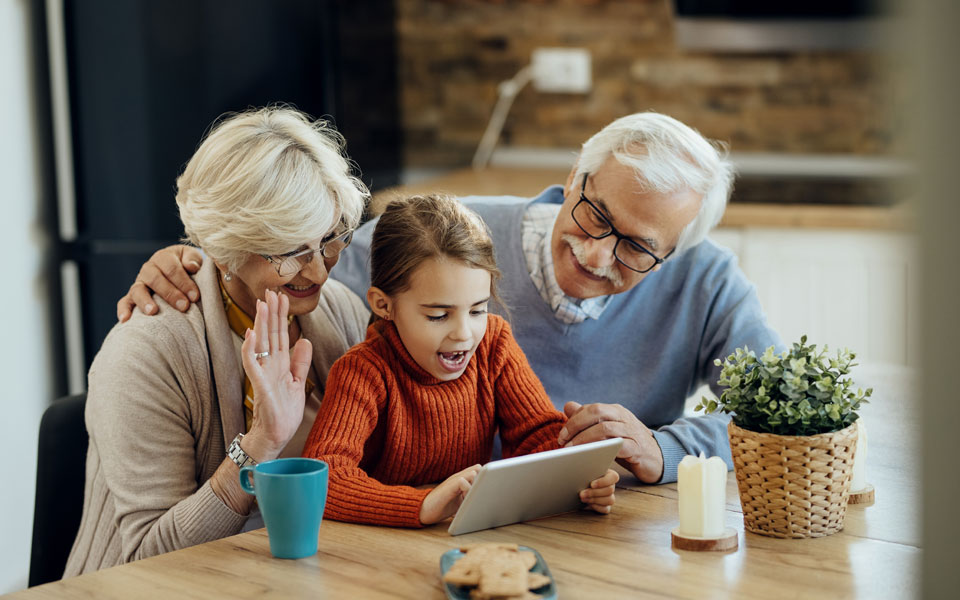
x=277, y=378
x=444, y=500
x=599, y=496
x=168, y=274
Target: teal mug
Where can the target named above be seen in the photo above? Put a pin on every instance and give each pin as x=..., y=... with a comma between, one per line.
x=291, y=494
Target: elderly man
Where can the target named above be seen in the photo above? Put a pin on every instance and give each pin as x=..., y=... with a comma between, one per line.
x=614, y=293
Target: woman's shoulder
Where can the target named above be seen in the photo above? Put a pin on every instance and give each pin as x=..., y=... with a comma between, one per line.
x=170, y=341
x=169, y=328
x=340, y=312
x=164, y=336
x=147, y=354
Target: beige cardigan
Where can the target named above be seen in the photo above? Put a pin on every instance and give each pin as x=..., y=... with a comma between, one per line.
x=164, y=402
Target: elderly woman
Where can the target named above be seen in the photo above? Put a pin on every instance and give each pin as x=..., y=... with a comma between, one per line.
x=171, y=416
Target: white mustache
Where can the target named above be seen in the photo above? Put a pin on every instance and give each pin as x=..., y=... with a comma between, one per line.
x=610, y=273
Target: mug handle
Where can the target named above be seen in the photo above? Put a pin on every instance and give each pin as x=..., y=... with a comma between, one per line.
x=245, y=480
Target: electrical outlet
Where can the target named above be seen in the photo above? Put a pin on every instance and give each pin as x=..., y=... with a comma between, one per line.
x=562, y=70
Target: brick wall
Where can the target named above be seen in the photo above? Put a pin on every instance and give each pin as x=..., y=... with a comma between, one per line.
x=453, y=53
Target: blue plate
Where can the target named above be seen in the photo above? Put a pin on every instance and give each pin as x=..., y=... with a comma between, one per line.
x=456, y=592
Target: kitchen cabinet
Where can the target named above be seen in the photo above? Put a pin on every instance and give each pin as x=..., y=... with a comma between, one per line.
x=855, y=288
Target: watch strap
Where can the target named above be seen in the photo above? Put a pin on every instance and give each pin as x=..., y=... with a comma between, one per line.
x=237, y=455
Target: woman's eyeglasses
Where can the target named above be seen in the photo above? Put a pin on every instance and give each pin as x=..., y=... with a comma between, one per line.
x=293, y=263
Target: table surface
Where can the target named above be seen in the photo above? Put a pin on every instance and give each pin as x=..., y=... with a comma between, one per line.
x=528, y=182
x=623, y=555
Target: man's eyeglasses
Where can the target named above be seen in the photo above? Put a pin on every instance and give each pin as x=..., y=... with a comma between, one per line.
x=595, y=224
x=294, y=262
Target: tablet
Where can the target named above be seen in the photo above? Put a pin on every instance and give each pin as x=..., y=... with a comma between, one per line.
x=532, y=486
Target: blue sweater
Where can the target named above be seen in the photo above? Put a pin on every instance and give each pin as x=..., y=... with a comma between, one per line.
x=653, y=346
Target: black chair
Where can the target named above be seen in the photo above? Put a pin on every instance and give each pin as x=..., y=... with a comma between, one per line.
x=61, y=464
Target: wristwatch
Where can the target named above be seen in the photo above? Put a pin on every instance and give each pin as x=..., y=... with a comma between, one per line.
x=237, y=455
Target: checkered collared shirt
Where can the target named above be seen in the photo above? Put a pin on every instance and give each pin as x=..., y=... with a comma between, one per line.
x=537, y=228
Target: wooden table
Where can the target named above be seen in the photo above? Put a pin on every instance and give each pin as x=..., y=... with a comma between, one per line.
x=624, y=555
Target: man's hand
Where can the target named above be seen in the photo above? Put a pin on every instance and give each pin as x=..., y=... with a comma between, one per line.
x=168, y=274
x=444, y=500
x=640, y=453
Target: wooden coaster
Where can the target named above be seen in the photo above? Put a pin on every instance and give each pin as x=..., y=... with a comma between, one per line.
x=725, y=543
x=864, y=496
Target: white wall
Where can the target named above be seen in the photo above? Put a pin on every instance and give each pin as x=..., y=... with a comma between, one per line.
x=25, y=353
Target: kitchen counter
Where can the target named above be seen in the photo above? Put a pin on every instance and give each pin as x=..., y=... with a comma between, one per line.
x=529, y=182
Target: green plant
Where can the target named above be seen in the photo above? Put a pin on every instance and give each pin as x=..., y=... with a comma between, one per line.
x=798, y=392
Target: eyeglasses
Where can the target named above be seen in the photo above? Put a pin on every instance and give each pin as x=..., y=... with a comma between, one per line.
x=294, y=262
x=595, y=224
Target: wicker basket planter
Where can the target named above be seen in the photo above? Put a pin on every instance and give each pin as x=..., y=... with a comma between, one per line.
x=793, y=486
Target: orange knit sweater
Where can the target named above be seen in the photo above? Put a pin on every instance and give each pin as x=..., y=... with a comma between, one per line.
x=386, y=425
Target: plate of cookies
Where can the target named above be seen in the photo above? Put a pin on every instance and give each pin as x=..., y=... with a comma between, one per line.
x=496, y=570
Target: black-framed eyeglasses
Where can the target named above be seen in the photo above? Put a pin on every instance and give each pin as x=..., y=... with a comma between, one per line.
x=294, y=262
x=595, y=224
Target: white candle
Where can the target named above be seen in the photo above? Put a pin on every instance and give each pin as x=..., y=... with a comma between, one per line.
x=860, y=459
x=702, y=487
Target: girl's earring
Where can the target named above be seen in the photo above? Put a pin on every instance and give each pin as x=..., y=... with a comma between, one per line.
x=227, y=276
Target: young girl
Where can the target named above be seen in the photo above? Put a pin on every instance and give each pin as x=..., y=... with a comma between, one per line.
x=419, y=401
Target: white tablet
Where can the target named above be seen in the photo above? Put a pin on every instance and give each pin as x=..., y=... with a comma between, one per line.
x=532, y=486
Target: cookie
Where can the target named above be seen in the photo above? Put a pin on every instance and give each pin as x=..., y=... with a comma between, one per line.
x=496, y=571
x=537, y=580
x=476, y=594
x=465, y=575
x=485, y=546
x=503, y=574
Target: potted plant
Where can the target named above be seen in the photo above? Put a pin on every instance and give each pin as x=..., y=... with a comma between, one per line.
x=792, y=436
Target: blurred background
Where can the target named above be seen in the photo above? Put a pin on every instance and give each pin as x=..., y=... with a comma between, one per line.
x=105, y=100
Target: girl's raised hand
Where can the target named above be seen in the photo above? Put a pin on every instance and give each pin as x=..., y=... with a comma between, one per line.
x=599, y=496
x=444, y=500
x=277, y=377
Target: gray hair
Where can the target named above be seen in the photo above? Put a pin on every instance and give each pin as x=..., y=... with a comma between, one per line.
x=265, y=181
x=668, y=157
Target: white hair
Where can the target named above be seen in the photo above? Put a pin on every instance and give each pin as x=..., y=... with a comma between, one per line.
x=266, y=181
x=668, y=157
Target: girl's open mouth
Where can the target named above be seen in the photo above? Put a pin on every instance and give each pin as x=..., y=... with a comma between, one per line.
x=452, y=361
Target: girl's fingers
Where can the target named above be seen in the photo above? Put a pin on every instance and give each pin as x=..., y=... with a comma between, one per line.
x=609, y=480
x=603, y=495
x=470, y=473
